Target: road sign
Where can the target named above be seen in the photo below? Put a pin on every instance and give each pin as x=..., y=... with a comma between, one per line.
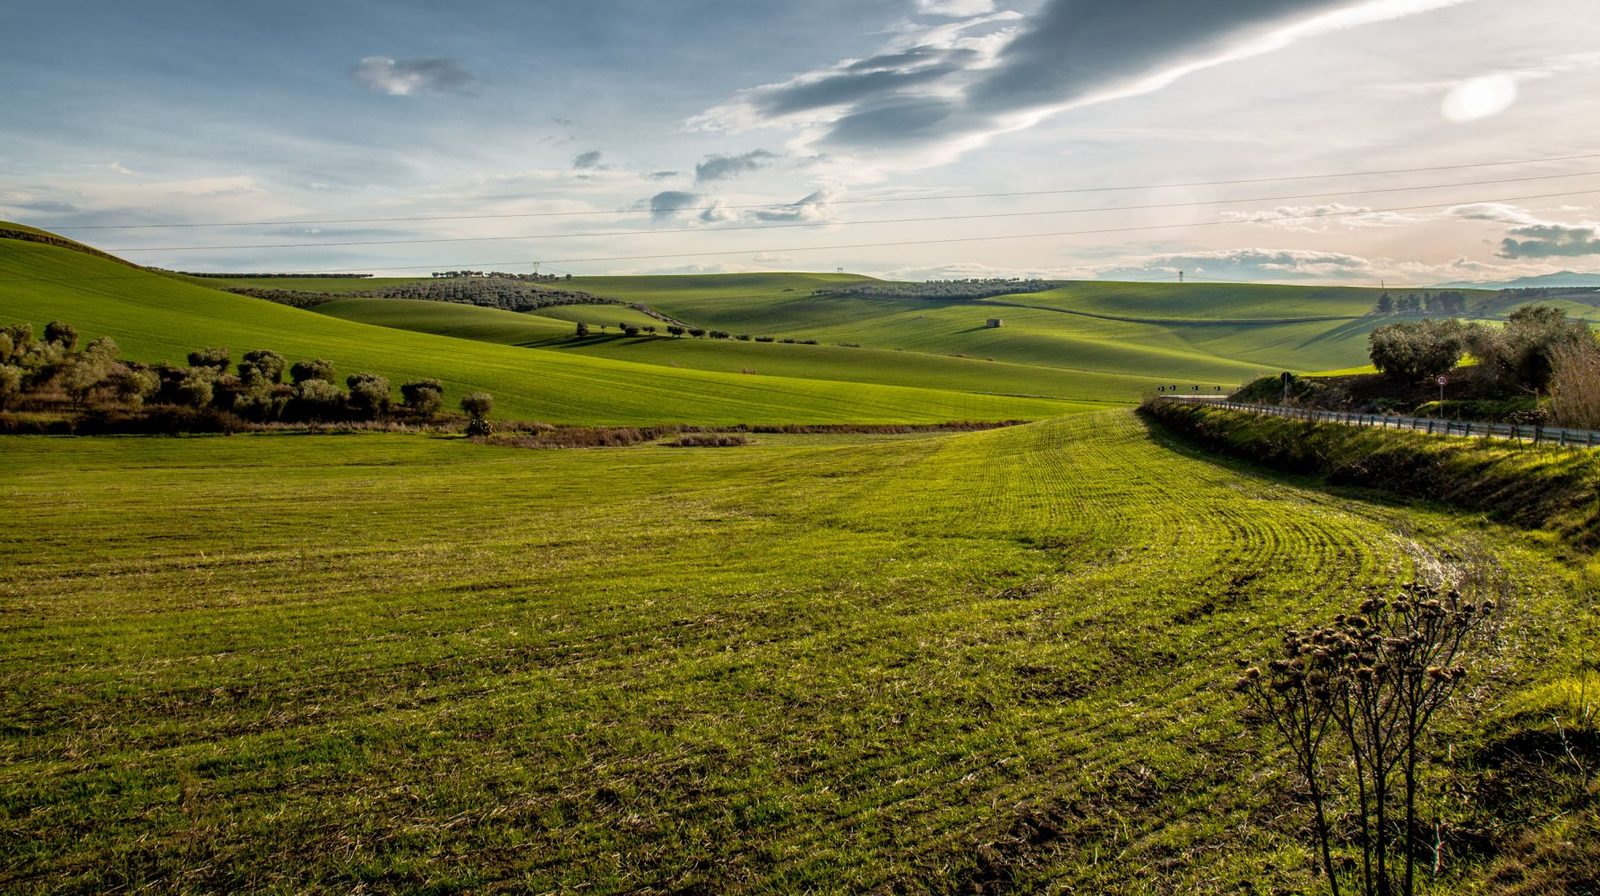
x=1443, y=380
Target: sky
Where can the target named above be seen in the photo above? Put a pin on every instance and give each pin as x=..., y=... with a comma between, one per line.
x=1362, y=142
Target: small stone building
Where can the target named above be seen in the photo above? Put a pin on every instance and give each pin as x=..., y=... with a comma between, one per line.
x=994, y=323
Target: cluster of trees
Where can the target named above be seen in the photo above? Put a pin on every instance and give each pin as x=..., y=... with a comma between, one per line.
x=271, y=276
x=527, y=278
x=509, y=293
x=675, y=330
x=1524, y=354
x=1429, y=302
x=48, y=370
x=939, y=289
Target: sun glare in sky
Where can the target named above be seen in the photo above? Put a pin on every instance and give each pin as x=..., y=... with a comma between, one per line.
x=1482, y=97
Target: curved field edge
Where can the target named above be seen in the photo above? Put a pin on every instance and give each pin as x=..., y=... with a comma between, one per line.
x=1533, y=487
x=155, y=318
x=994, y=660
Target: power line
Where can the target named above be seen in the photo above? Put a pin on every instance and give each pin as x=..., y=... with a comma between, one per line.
x=786, y=226
x=859, y=201
x=952, y=240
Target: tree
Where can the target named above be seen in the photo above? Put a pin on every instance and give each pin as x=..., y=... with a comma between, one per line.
x=675, y=330
x=696, y=332
x=1384, y=305
x=1416, y=350
x=423, y=397
x=630, y=330
x=369, y=394
x=61, y=333
x=317, y=369
x=583, y=329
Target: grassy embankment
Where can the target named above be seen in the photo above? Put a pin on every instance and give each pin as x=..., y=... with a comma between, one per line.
x=995, y=659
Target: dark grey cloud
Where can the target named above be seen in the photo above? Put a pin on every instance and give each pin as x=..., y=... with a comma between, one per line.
x=668, y=203
x=586, y=160
x=989, y=73
x=408, y=77
x=719, y=167
x=876, y=76
x=1550, y=241
x=662, y=175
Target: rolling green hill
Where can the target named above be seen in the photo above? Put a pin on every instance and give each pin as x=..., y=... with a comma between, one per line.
x=155, y=317
x=818, y=362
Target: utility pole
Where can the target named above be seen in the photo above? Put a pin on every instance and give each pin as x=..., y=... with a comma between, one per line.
x=1180, y=276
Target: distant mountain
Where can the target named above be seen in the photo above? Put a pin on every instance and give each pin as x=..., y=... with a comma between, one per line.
x=1543, y=281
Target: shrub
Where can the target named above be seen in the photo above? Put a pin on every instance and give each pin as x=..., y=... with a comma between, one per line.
x=15, y=340
x=583, y=329
x=316, y=369
x=764, y=339
x=696, y=332
x=317, y=399
x=11, y=380
x=477, y=405
x=216, y=358
x=719, y=334
x=630, y=330
x=195, y=391
x=709, y=440
x=369, y=394
x=132, y=385
x=1352, y=701
x=479, y=427
x=262, y=366
x=650, y=329
x=61, y=333
x=1575, y=384
x=423, y=397
x=675, y=330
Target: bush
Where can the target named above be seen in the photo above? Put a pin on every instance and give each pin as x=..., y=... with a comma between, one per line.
x=316, y=369
x=216, y=358
x=1523, y=353
x=1575, y=384
x=61, y=333
x=262, y=366
x=369, y=394
x=423, y=397
x=675, y=330
x=583, y=329
x=630, y=330
x=696, y=332
x=195, y=391
x=709, y=440
x=477, y=405
x=317, y=399
x=11, y=380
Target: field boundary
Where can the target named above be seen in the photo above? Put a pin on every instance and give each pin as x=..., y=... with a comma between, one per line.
x=1557, y=436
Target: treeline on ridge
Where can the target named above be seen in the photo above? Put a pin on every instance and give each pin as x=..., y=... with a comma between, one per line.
x=937, y=289
x=490, y=292
x=50, y=374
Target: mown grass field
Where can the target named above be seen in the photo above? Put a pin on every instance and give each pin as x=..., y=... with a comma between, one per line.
x=815, y=664
x=155, y=318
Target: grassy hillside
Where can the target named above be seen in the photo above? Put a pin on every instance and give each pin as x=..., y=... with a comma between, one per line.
x=990, y=661
x=820, y=362
x=1206, y=333
x=155, y=317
